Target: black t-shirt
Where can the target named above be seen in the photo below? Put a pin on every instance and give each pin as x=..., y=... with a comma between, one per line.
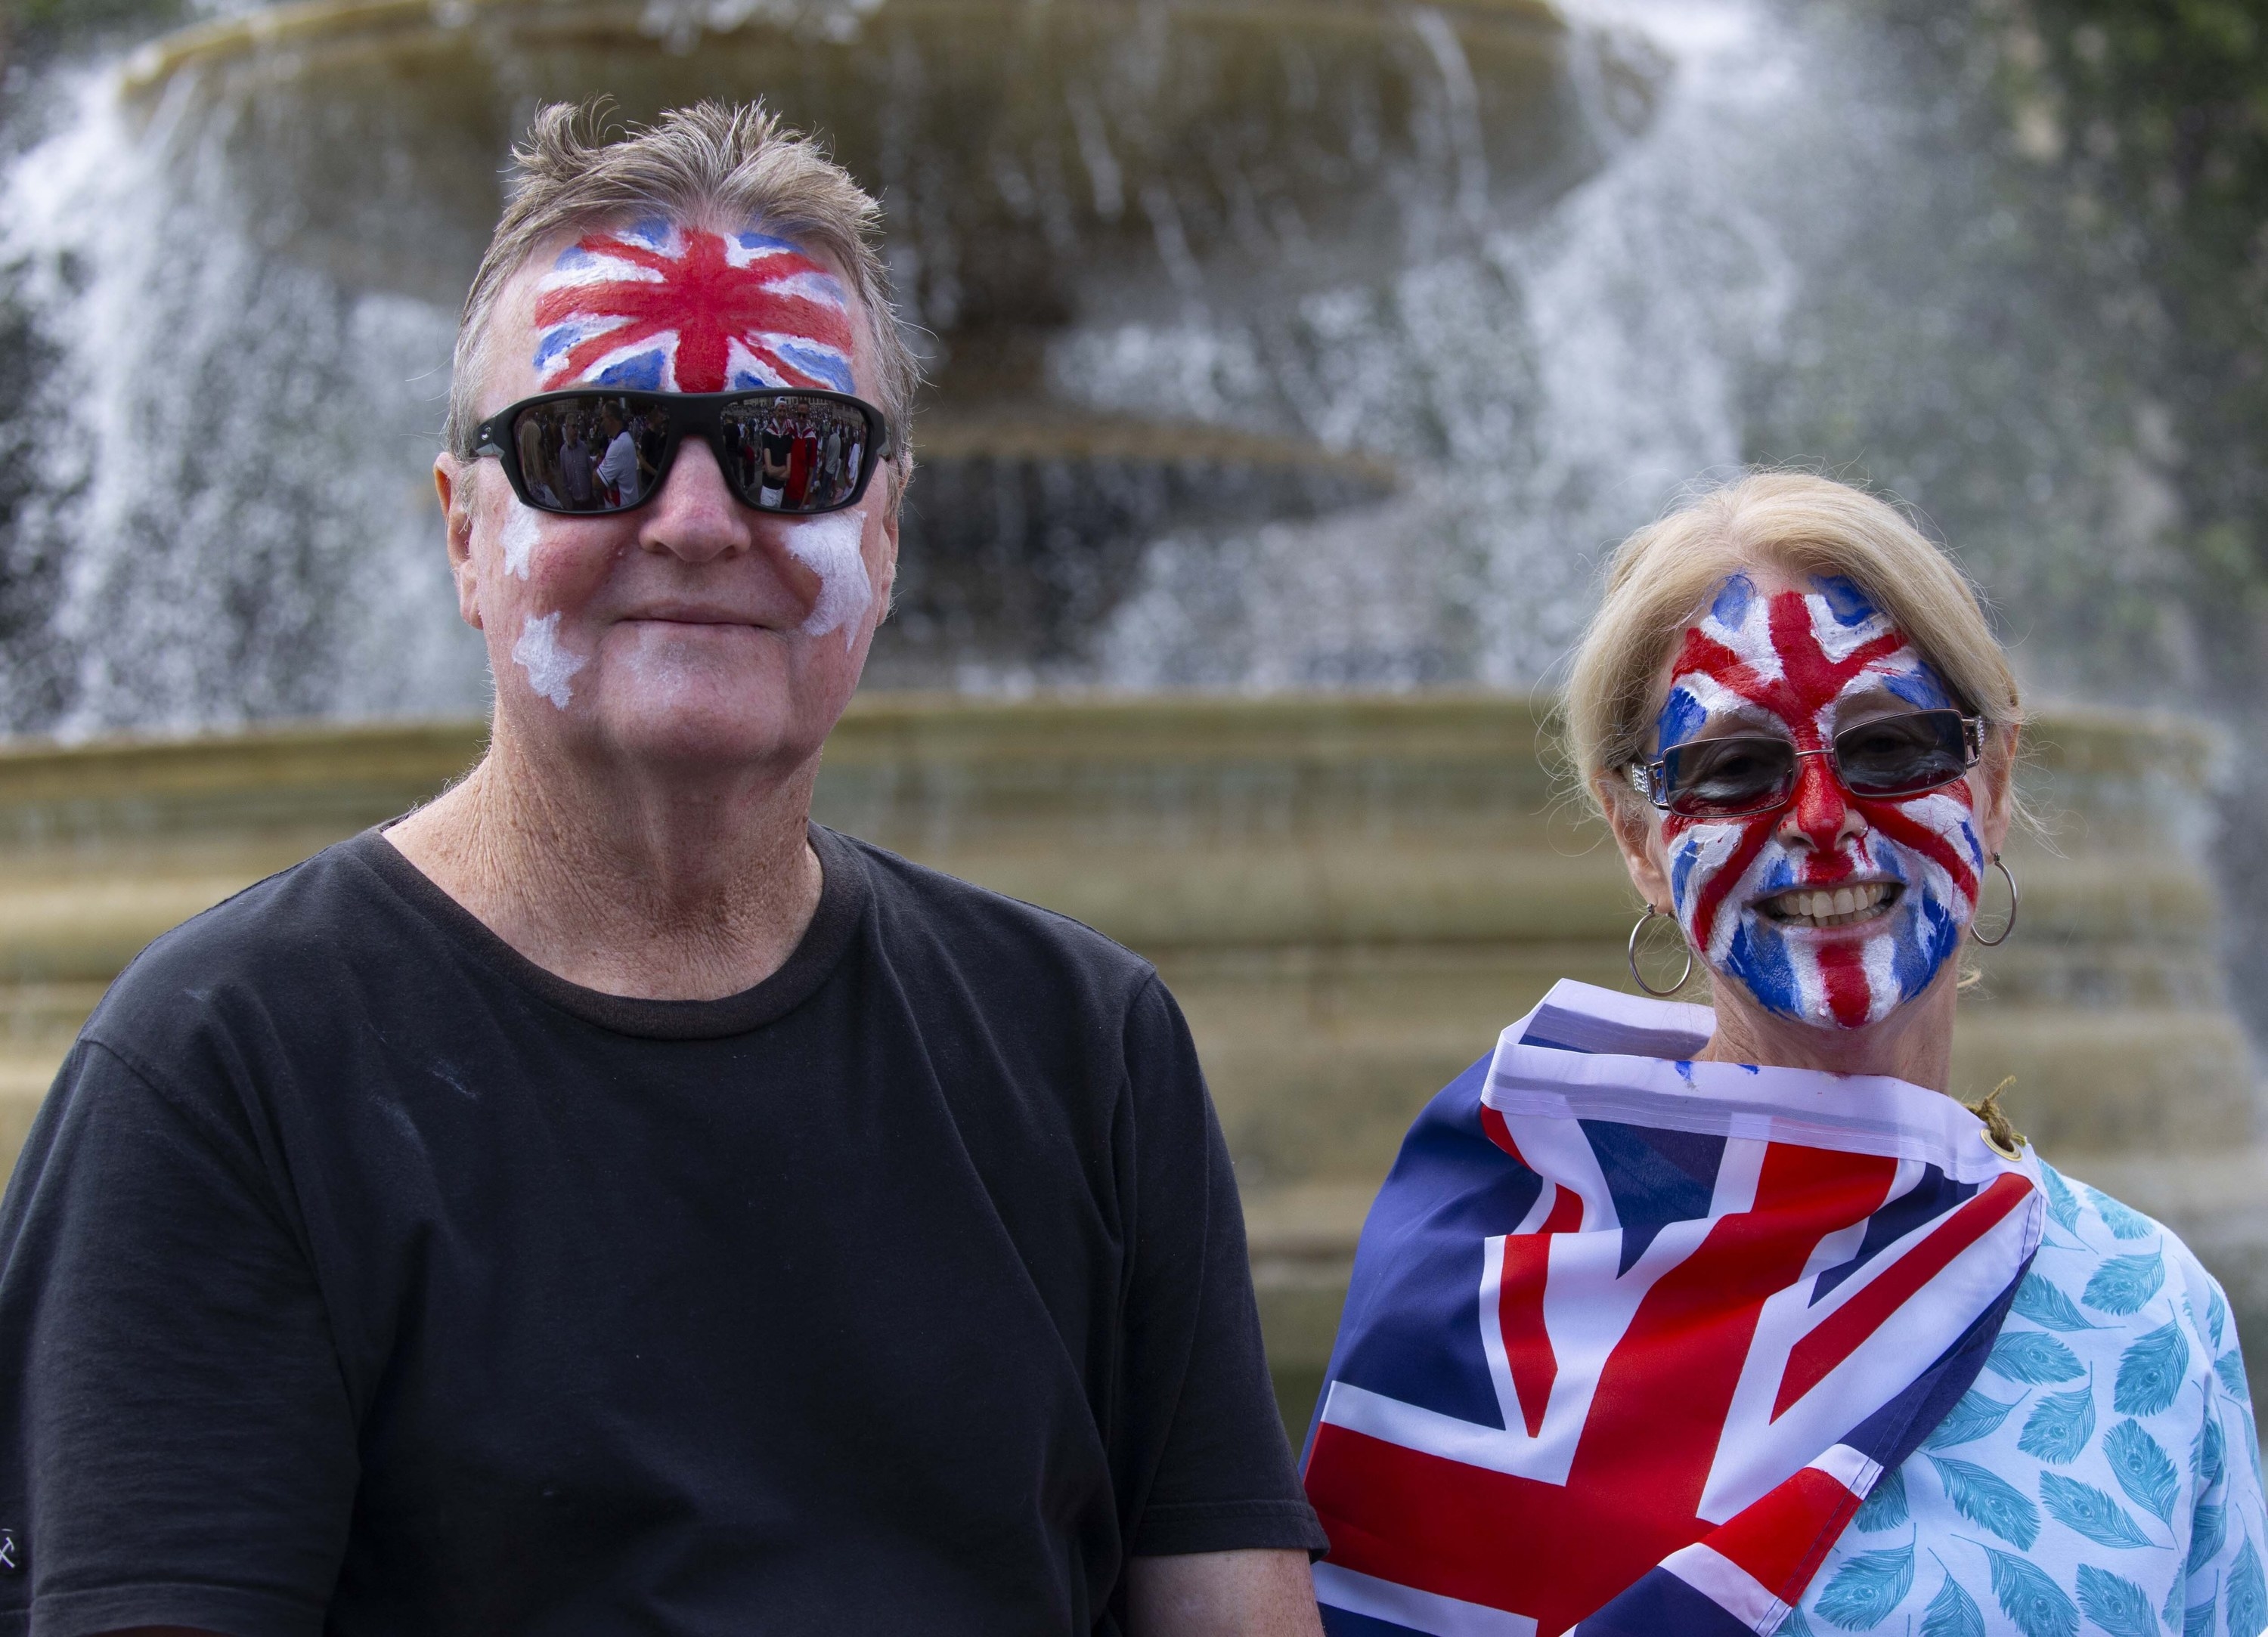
x=360, y=1276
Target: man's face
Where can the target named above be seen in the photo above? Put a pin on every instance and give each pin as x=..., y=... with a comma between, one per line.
x=692, y=627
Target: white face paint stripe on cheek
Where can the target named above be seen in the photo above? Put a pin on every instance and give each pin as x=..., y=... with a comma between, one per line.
x=548, y=666
x=830, y=548
x=518, y=536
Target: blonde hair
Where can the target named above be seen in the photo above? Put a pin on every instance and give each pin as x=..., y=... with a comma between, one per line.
x=1660, y=577
x=736, y=161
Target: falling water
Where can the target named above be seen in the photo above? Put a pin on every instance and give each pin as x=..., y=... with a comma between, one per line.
x=227, y=485
x=1790, y=261
x=1547, y=387
x=222, y=507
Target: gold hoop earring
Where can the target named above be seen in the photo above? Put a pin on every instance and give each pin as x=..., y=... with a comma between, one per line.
x=1638, y=977
x=2016, y=901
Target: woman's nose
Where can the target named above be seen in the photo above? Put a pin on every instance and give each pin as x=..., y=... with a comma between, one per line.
x=1821, y=814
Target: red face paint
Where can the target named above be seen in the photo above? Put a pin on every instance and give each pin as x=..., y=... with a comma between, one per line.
x=1784, y=665
x=662, y=307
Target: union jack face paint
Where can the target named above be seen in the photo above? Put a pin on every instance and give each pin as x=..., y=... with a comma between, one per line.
x=661, y=307
x=1785, y=664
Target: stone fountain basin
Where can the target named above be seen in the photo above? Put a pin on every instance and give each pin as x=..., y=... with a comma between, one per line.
x=1035, y=158
x=1350, y=895
x=1044, y=169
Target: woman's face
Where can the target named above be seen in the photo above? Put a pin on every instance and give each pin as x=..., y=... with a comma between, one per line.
x=1836, y=909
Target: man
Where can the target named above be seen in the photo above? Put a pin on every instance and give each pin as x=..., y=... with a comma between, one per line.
x=575, y=465
x=534, y=467
x=618, y=467
x=602, y=1202
x=775, y=445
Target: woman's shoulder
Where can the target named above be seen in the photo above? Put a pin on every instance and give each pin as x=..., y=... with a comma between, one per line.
x=2110, y=1280
x=2105, y=1463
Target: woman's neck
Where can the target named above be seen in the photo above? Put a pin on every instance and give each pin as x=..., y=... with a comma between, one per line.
x=1913, y=1043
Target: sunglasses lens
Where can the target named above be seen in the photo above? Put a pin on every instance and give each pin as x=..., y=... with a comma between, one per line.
x=795, y=454
x=1723, y=778
x=590, y=453
x=1903, y=755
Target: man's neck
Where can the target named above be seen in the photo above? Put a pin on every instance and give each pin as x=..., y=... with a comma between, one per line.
x=1913, y=1043
x=693, y=888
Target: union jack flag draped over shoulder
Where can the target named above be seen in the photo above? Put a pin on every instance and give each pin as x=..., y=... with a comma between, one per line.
x=1631, y=1337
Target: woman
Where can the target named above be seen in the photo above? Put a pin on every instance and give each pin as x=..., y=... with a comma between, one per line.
x=1670, y=1321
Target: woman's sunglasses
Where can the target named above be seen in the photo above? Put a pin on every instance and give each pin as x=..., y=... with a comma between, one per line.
x=586, y=452
x=1892, y=756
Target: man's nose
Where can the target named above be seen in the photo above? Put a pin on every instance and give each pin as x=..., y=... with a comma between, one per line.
x=695, y=517
x=1821, y=814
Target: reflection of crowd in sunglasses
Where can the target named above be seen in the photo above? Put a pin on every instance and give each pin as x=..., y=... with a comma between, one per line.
x=572, y=460
x=801, y=456
x=796, y=456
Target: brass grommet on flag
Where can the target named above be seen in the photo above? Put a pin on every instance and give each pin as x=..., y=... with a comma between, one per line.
x=1999, y=1135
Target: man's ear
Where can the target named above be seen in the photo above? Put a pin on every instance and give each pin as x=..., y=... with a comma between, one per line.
x=887, y=581
x=1637, y=833
x=454, y=483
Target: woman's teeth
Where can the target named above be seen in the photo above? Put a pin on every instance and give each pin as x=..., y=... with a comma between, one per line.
x=1828, y=907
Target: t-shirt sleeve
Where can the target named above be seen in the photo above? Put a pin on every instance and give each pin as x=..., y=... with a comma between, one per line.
x=176, y=1443
x=1213, y=1471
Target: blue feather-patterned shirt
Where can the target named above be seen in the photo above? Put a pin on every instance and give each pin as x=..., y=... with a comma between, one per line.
x=2103, y=1475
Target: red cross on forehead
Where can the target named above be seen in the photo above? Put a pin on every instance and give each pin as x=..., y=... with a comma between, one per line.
x=1809, y=680
x=692, y=295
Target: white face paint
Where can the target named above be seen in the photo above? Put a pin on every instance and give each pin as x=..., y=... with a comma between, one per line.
x=518, y=536
x=548, y=665
x=829, y=546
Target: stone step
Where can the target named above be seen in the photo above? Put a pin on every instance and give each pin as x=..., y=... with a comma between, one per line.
x=1351, y=897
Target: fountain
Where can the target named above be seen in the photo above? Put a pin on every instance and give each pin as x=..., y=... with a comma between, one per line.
x=1303, y=343
x=1050, y=170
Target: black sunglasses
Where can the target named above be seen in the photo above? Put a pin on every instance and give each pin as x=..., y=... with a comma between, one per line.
x=585, y=451
x=1733, y=778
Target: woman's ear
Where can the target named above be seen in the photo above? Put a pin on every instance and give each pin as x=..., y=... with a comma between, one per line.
x=1994, y=782
x=1637, y=835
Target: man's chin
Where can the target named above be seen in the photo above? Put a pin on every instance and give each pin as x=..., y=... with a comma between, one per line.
x=713, y=734
x=737, y=695
x=697, y=728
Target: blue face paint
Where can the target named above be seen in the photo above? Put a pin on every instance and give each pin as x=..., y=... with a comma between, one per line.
x=1849, y=606
x=1821, y=919
x=1730, y=606
x=662, y=306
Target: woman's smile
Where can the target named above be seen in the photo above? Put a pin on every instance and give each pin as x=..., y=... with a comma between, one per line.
x=1831, y=908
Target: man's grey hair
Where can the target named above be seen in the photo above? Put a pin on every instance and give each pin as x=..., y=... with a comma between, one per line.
x=733, y=163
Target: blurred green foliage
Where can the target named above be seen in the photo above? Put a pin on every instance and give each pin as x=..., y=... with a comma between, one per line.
x=2078, y=388
x=2151, y=117
x=2148, y=121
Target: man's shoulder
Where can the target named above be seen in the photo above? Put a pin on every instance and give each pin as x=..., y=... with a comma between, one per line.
x=276, y=935
x=977, y=927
